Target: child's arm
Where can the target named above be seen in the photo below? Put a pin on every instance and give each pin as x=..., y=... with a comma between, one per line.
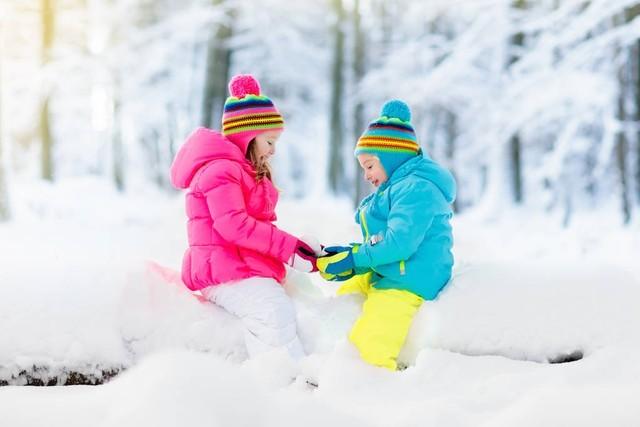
x=410, y=217
x=220, y=183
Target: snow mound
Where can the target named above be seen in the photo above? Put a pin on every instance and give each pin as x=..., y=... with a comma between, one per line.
x=530, y=311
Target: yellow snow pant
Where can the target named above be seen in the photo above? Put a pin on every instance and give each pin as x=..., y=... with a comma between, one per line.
x=380, y=331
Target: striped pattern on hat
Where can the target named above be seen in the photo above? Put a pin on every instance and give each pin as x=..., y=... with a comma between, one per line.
x=246, y=111
x=390, y=133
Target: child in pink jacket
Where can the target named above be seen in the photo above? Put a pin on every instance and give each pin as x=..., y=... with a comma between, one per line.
x=236, y=255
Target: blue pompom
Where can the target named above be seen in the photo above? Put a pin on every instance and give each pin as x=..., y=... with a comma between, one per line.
x=397, y=109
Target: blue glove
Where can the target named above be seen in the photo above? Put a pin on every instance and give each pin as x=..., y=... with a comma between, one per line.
x=332, y=250
x=339, y=261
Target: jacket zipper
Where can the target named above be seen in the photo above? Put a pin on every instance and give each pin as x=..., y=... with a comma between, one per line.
x=363, y=221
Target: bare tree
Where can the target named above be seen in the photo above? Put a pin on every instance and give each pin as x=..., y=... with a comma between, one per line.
x=336, y=117
x=358, y=107
x=515, y=145
x=217, y=69
x=383, y=12
x=5, y=213
x=451, y=132
x=117, y=147
x=46, y=139
x=634, y=61
x=627, y=83
x=621, y=147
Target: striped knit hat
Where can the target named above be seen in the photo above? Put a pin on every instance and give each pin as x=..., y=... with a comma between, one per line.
x=390, y=137
x=247, y=113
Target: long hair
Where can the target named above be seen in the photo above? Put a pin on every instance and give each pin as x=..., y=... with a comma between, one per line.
x=262, y=167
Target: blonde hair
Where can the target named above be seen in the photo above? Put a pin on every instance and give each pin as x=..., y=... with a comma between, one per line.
x=262, y=167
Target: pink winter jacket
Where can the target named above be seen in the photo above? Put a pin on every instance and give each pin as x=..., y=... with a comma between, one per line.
x=230, y=229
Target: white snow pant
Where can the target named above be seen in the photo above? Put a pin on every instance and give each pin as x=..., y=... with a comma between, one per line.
x=266, y=311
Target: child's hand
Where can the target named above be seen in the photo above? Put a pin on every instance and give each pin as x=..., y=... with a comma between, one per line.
x=332, y=250
x=339, y=261
x=304, y=258
x=313, y=244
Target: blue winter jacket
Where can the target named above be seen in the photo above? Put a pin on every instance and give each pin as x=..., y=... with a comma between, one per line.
x=405, y=224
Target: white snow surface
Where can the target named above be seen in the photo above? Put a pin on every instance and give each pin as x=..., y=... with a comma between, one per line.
x=75, y=296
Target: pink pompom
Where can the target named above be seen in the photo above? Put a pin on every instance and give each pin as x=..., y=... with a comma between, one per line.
x=243, y=85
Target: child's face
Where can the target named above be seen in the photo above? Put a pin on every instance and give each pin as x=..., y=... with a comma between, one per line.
x=266, y=144
x=373, y=170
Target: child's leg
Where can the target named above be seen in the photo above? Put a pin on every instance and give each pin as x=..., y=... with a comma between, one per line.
x=360, y=283
x=265, y=310
x=380, y=331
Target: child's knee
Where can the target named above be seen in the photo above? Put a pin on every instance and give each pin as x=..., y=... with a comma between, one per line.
x=381, y=330
x=272, y=319
x=278, y=314
x=360, y=283
x=275, y=326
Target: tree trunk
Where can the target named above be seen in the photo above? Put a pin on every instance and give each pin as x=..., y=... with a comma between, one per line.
x=451, y=130
x=47, y=14
x=638, y=159
x=5, y=213
x=217, y=71
x=629, y=83
x=621, y=151
x=634, y=88
x=634, y=60
x=116, y=138
x=515, y=145
x=336, y=117
x=46, y=164
x=385, y=20
x=515, y=154
x=358, y=108
x=621, y=144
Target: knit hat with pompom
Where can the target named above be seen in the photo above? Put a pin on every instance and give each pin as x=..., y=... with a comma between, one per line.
x=390, y=137
x=247, y=113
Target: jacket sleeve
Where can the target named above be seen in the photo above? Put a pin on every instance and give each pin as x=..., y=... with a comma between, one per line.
x=410, y=217
x=220, y=182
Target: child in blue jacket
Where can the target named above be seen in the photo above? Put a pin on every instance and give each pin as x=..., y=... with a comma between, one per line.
x=405, y=256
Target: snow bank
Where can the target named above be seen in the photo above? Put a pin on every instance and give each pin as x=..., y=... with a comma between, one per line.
x=75, y=296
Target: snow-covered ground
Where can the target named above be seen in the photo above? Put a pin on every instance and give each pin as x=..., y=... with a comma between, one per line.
x=75, y=295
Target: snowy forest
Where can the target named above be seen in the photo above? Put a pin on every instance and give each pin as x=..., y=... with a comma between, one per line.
x=532, y=104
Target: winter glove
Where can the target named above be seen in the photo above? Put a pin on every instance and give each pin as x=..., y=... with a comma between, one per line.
x=332, y=250
x=303, y=258
x=313, y=244
x=339, y=262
